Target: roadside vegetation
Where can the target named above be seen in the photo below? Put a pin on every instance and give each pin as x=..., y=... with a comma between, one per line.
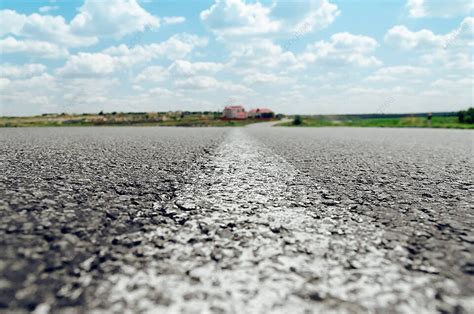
x=460, y=120
x=297, y=120
x=184, y=119
x=466, y=116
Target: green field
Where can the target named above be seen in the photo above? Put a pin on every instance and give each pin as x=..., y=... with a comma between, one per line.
x=413, y=122
x=209, y=119
x=123, y=119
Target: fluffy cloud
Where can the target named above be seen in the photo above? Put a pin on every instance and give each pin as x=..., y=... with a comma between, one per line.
x=441, y=91
x=197, y=82
x=186, y=68
x=170, y=20
x=33, y=95
x=264, y=78
x=236, y=18
x=343, y=48
x=21, y=71
x=47, y=93
x=451, y=50
x=462, y=83
x=175, y=47
x=416, y=8
x=88, y=64
x=117, y=58
x=52, y=29
x=115, y=18
x=46, y=9
x=402, y=37
x=11, y=22
x=209, y=83
x=185, y=74
x=153, y=74
x=32, y=47
x=231, y=18
x=321, y=14
x=449, y=59
x=164, y=92
x=462, y=36
x=49, y=36
x=437, y=8
x=4, y=83
x=85, y=94
x=249, y=60
x=397, y=72
x=262, y=53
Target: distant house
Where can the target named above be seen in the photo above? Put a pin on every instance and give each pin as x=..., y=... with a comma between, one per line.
x=234, y=113
x=261, y=113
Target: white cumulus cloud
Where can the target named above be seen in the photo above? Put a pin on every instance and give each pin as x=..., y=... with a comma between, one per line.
x=21, y=71
x=404, y=38
x=321, y=14
x=439, y=8
x=170, y=20
x=52, y=29
x=206, y=83
x=115, y=18
x=397, y=72
x=186, y=68
x=48, y=8
x=10, y=45
x=262, y=53
x=175, y=47
x=233, y=18
x=264, y=78
x=236, y=18
x=153, y=74
x=343, y=48
x=88, y=64
x=120, y=57
x=452, y=50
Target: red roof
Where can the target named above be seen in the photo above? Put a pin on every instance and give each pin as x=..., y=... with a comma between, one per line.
x=234, y=107
x=261, y=110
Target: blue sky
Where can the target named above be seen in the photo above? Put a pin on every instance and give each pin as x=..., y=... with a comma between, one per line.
x=315, y=56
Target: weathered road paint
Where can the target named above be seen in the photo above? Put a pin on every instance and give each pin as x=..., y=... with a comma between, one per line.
x=250, y=234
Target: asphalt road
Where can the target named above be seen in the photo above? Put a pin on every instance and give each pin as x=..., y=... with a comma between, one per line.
x=232, y=220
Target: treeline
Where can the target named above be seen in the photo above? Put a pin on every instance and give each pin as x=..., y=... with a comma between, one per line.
x=113, y=113
x=466, y=116
x=385, y=115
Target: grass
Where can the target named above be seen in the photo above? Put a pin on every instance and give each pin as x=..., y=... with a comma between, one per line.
x=413, y=122
x=123, y=119
x=211, y=119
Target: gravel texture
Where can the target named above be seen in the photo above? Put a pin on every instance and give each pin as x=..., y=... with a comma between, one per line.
x=414, y=187
x=252, y=220
x=75, y=201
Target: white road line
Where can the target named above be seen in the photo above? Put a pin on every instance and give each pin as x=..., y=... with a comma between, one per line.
x=255, y=239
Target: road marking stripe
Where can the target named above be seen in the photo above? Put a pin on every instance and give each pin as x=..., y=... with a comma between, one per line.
x=251, y=235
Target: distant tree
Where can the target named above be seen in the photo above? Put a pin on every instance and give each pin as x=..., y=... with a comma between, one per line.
x=101, y=113
x=466, y=116
x=470, y=115
x=297, y=120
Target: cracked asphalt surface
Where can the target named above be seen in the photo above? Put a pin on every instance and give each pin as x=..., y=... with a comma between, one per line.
x=231, y=220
